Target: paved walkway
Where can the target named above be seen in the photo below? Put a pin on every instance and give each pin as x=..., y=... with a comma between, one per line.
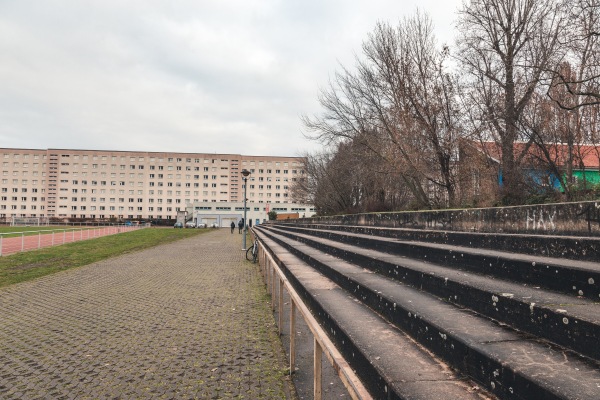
x=180, y=321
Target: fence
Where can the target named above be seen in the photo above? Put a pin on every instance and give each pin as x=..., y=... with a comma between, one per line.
x=276, y=282
x=14, y=242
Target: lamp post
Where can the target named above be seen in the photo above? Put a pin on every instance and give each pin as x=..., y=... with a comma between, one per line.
x=245, y=174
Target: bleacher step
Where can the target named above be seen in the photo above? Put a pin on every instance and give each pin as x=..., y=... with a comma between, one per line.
x=383, y=355
x=510, y=364
x=568, y=321
x=581, y=248
x=578, y=278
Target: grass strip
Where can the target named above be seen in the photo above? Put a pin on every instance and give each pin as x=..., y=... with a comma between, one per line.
x=21, y=267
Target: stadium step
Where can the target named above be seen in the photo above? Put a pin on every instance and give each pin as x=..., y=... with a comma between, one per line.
x=519, y=341
x=383, y=356
x=579, y=278
x=565, y=320
x=581, y=248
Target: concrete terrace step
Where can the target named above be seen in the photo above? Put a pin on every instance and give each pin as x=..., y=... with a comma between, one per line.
x=578, y=278
x=384, y=356
x=564, y=320
x=508, y=363
x=583, y=248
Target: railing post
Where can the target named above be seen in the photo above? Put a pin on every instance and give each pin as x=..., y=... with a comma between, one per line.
x=52, y=237
x=39, y=239
x=317, y=370
x=292, y=336
x=260, y=258
x=268, y=275
x=264, y=264
x=273, y=289
x=280, y=305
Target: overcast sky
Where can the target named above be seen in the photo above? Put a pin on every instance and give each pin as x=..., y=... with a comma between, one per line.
x=224, y=76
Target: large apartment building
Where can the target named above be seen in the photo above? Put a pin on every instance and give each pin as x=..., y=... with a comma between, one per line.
x=98, y=184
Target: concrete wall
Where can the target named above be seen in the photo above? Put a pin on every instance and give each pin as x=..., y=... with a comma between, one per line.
x=580, y=219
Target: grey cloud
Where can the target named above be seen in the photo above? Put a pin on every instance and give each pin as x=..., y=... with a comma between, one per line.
x=228, y=76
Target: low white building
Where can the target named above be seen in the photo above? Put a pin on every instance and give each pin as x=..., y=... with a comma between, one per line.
x=223, y=213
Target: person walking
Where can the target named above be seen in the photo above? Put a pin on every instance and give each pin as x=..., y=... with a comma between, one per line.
x=232, y=226
x=240, y=225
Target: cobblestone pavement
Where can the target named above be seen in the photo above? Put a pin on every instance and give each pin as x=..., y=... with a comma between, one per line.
x=184, y=320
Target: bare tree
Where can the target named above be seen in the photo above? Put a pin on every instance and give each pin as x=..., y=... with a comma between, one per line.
x=563, y=139
x=401, y=102
x=348, y=179
x=554, y=134
x=506, y=46
x=406, y=63
x=579, y=75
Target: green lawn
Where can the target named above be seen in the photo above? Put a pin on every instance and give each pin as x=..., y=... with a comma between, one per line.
x=29, y=265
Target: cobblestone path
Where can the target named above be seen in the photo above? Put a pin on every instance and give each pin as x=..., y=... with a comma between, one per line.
x=184, y=320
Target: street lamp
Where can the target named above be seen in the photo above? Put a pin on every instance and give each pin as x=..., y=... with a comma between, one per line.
x=245, y=174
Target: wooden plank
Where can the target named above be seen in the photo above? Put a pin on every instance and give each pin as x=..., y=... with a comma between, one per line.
x=280, y=305
x=318, y=354
x=292, y=337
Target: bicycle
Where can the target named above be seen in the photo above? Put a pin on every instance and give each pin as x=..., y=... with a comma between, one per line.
x=252, y=252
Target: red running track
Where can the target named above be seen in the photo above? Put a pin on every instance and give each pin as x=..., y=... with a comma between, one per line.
x=13, y=245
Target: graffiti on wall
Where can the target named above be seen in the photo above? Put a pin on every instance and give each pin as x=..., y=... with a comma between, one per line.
x=540, y=220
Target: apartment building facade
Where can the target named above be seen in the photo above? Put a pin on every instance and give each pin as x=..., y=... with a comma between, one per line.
x=104, y=184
